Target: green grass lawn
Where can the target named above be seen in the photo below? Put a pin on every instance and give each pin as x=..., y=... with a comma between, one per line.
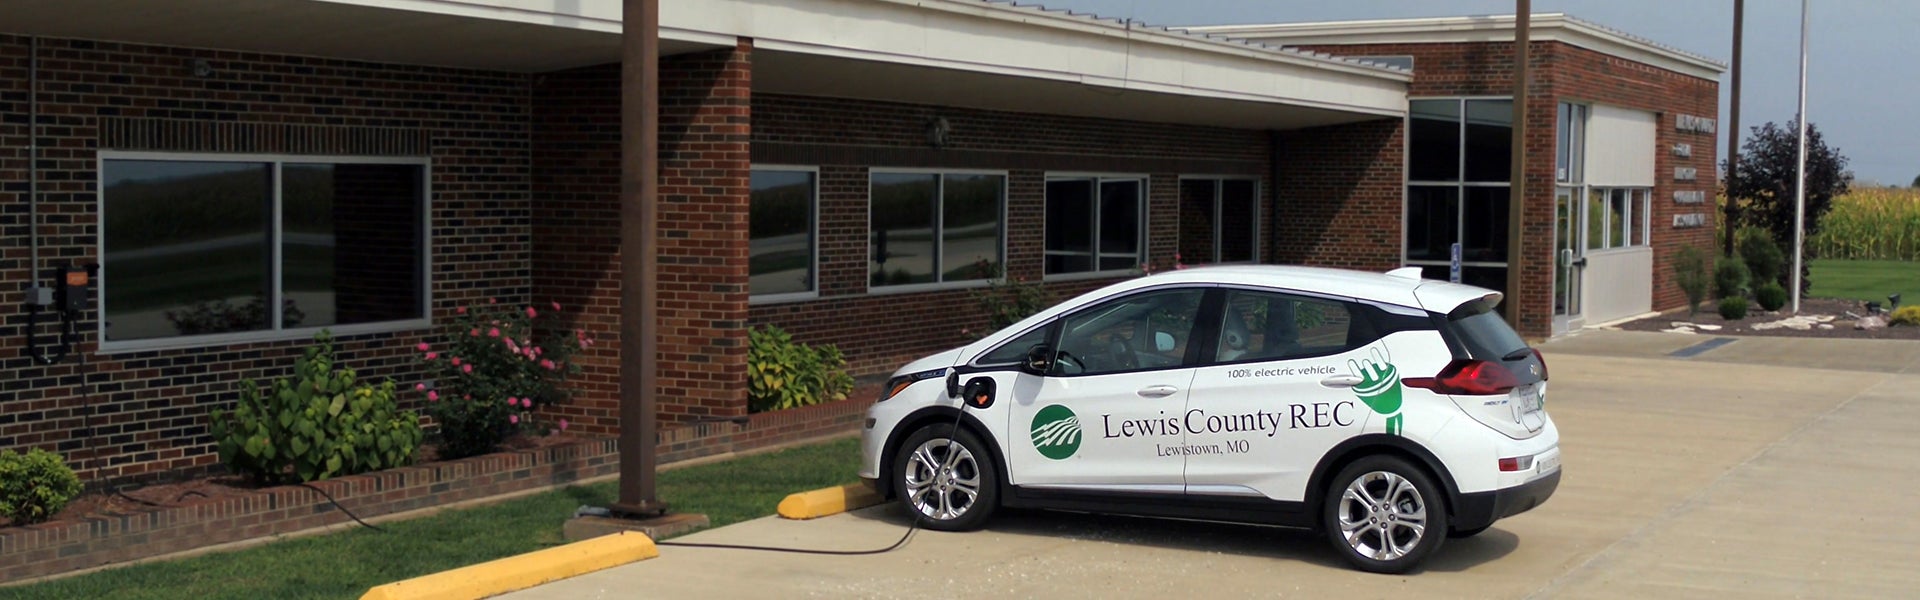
x=344, y=565
x=1866, y=280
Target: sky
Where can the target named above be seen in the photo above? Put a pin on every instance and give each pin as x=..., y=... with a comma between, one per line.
x=1863, y=74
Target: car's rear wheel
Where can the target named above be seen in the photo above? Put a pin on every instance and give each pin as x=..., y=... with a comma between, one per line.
x=946, y=478
x=1384, y=515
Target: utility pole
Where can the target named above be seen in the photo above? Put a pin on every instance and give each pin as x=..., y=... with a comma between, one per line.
x=1800, y=171
x=639, y=251
x=1733, y=124
x=1517, y=190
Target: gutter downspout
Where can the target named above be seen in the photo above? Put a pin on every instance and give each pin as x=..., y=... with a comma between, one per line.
x=33, y=161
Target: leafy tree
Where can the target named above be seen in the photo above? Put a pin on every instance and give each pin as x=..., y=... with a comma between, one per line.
x=1916, y=181
x=1763, y=193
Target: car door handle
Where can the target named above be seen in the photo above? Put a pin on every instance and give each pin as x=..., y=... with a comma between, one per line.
x=1341, y=381
x=1158, y=391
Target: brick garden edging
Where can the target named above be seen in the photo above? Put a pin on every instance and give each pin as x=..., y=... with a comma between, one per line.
x=59, y=547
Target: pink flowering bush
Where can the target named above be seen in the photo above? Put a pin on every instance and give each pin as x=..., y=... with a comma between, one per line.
x=496, y=365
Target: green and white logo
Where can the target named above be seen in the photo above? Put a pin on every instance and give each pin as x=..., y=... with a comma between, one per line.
x=1056, y=432
x=1379, y=386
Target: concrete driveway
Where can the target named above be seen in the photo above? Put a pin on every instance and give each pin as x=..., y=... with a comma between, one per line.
x=1768, y=467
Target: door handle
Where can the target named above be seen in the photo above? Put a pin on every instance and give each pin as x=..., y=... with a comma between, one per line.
x=1158, y=391
x=1341, y=381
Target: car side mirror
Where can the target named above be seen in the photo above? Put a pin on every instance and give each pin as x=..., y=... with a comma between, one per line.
x=1039, y=360
x=1163, y=342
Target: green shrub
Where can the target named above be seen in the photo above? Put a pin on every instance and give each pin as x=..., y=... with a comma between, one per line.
x=35, y=485
x=1765, y=262
x=1905, y=315
x=1733, y=308
x=498, y=365
x=318, y=423
x=1730, y=278
x=782, y=373
x=1690, y=272
x=1770, y=295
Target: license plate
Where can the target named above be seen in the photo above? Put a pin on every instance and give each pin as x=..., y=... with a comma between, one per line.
x=1529, y=398
x=1547, y=464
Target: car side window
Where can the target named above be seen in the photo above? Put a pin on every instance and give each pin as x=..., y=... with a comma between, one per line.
x=1014, y=351
x=1137, y=333
x=1262, y=326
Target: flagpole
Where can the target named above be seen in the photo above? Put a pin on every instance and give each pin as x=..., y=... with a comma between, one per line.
x=1800, y=170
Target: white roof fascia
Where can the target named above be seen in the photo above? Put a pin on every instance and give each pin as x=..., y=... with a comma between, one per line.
x=1556, y=27
x=989, y=37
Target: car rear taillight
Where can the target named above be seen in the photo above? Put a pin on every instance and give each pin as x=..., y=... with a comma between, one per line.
x=1468, y=378
x=1543, y=363
x=1518, y=463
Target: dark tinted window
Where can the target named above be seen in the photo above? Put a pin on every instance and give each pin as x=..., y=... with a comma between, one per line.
x=904, y=207
x=1485, y=225
x=185, y=247
x=1489, y=140
x=1145, y=331
x=1265, y=326
x=780, y=225
x=351, y=244
x=1014, y=351
x=1433, y=222
x=1434, y=148
x=1485, y=334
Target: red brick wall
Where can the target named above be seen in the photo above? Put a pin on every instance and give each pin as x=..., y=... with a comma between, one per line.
x=880, y=331
x=1568, y=73
x=704, y=121
x=1340, y=196
x=138, y=414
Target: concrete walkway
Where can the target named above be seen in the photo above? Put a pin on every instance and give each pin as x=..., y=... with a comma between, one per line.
x=1765, y=468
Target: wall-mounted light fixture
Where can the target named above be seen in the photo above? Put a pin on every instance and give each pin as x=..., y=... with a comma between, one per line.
x=202, y=68
x=937, y=132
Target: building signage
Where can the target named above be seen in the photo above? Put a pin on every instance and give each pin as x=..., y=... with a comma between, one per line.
x=1683, y=150
x=1685, y=173
x=1693, y=124
x=1690, y=220
x=1690, y=197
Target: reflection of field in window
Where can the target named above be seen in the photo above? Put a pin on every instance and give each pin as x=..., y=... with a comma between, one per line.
x=780, y=232
x=179, y=234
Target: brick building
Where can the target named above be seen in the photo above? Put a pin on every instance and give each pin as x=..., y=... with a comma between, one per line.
x=850, y=170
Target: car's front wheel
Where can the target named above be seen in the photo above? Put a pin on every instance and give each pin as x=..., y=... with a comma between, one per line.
x=946, y=479
x=1384, y=515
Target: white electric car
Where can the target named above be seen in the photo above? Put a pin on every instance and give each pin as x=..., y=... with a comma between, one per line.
x=1388, y=411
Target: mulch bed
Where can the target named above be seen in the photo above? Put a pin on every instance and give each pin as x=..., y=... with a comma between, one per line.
x=216, y=487
x=1839, y=314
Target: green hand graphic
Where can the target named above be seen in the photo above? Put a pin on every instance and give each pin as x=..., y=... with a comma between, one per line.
x=1379, y=387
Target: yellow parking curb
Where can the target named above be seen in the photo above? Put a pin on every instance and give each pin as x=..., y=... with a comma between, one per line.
x=828, y=501
x=521, y=572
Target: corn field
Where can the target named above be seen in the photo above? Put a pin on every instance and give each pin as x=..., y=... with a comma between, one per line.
x=1871, y=224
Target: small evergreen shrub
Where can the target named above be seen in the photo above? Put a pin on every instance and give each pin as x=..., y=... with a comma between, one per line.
x=1730, y=278
x=1770, y=295
x=318, y=423
x=1691, y=267
x=783, y=374
x=1765, y=261
x=1905, y=315
x=35, y=485
x=1733, y=308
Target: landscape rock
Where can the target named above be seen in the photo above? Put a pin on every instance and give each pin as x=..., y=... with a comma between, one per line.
x=1870, y=322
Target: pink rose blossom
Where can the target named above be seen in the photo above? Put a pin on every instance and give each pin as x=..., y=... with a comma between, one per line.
x=460, y=311
x=548, y=364
x=466, y=368
x=563, y=424
x=515, y=419
x=527, y=402
x=422, y=347
x=433, y=355
x=532, y=313
x=556, y=306
x=493, y=301
x=433, y=396
x=495, y=332
x=475, y=332
x=512, y=401
x=456, y=361
x=419, y=387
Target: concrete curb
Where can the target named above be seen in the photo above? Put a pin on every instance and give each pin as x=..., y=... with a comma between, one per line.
x=828, y=501
x=521, y=572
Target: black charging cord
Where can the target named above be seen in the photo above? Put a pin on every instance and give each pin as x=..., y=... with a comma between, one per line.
x=342, y=507
x=913, y=527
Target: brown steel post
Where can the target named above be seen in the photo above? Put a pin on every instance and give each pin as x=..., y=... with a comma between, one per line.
x=1517, y=190
x=1733, y=121
x=639, y=249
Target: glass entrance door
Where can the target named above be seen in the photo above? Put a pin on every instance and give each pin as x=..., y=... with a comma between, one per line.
x=1569, y=259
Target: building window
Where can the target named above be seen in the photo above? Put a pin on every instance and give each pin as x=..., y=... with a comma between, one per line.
x=936, y=227
x=1460, y=157
x=1095, y=224
x=780, y=224
x=1570, y=145
x=239, y=248
x=1617, y=217
x=1219, y=220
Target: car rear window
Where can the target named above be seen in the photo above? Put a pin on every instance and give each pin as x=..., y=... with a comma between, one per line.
x=1485, y=334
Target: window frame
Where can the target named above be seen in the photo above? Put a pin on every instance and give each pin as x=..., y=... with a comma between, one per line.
x=939, y=234
x=1219, y=205
x=813, y=240
x=1097, y=178
x=1638, y=220
x=276, y=301
x=1460, y=182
